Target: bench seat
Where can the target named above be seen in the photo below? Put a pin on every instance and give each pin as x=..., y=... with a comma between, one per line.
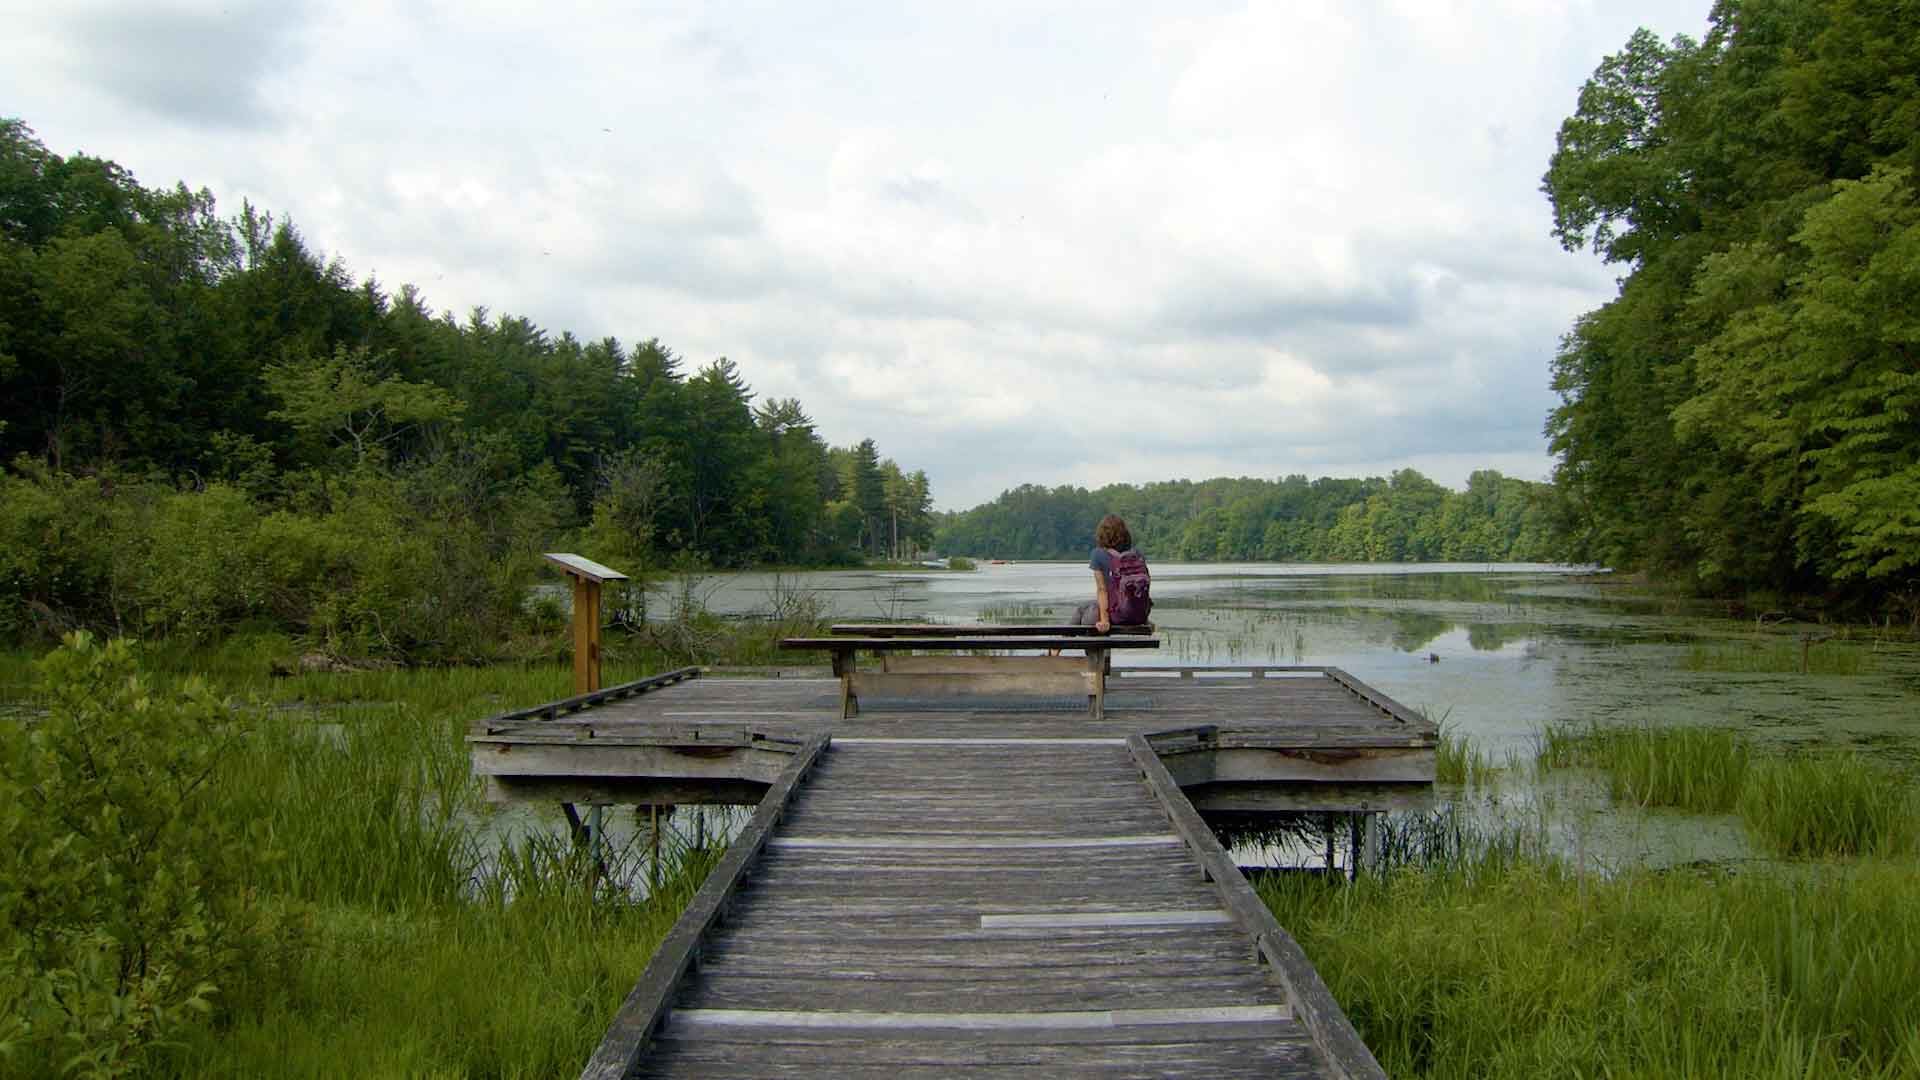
x=974, y=674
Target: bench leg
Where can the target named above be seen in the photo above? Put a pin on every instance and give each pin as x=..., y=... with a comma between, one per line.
x=1097, y=680
x=843, y=667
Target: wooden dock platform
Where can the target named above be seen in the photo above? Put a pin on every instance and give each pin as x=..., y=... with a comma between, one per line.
x=1014, y=889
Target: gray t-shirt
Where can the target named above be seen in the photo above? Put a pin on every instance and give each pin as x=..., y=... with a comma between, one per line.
x=1103, y=561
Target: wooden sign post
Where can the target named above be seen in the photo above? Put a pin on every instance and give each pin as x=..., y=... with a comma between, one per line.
x=587, y=577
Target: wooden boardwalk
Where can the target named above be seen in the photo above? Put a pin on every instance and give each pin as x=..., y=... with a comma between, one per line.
x=986, y=891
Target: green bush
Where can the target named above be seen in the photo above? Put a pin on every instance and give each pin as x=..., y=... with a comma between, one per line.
x=126, y=910
x=58, y=561
x=432, y=562
x=198, y=579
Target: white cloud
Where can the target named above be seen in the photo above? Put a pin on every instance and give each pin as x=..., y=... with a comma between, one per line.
x=1009, y=242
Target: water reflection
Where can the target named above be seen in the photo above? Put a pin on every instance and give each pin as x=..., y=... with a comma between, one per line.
x=1497, y=652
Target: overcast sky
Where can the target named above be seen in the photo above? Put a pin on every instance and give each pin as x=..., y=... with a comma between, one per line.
x=1010, y=242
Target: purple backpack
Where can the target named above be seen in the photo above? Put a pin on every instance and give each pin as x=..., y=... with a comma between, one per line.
x=1127, y=601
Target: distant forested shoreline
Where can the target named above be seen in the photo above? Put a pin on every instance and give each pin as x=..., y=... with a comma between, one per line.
x=1402, y=518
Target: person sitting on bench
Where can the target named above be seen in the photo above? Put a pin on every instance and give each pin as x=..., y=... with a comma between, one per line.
x=1120, y=580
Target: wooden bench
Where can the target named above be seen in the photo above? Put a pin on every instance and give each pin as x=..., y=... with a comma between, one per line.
x=964, y=676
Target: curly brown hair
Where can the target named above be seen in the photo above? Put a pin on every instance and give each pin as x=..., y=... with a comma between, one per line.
x=1112, y=533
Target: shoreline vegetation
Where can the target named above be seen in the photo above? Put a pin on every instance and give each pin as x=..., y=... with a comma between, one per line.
x=317, y=889
x=1480, y=952
x=392, y=927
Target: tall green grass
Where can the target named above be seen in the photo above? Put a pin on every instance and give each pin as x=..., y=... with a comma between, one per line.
x=1818, y=804
x=1459, y=760
x=1509, y=967
x=422, y=947
x=1692, y=768
x=1830, y=804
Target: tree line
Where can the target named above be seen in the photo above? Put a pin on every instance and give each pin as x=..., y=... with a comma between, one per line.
x=1745, y=413
x=165, y=369
x=1402, y=518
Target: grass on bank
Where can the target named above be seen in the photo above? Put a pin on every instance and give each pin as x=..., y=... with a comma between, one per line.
x=1507, y=965
x=392, y=933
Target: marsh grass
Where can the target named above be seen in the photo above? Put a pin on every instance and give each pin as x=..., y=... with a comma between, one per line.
x=519, y=982
x=1448, y=840
x=1830, y=804
x=432, y=953
x=1507, y=966
x=426, y=945
x=1691, y=768
x=1459, y=760
x=1811, y=805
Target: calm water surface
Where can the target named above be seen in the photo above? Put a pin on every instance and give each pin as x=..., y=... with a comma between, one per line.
x=1496, y=651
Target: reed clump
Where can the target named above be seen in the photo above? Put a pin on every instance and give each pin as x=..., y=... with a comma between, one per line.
x=1826, y=803
x=1831, y=804
x=1459, y=760
x=1513, y=965
x=1690, y=768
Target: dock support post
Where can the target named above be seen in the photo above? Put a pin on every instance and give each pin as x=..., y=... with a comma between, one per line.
x=1353, y=846
x=1371, y=835
x=653, y=871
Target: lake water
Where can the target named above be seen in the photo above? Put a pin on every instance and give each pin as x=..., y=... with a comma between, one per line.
x=1496, y=652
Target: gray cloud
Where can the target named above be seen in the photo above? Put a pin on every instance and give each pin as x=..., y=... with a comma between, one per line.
x=198, y=64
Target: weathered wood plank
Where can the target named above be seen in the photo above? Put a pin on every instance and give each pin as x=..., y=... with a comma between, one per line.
x=1110, y=991
x=597, y=697
x=870, y=684
x=1265, y=1060
x=980, y=1021
x=1332, y=1032
x=624, y=760
x=623, y=791
x=650, y=1000
x=857, y=1045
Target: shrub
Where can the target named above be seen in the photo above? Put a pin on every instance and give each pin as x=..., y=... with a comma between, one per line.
x=63, y=552
x=125, y=905
x=197, y=580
